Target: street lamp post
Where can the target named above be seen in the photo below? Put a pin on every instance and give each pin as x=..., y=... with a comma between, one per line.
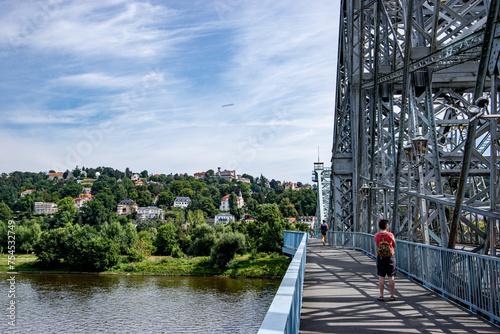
x=409, y=159
x=420, y=147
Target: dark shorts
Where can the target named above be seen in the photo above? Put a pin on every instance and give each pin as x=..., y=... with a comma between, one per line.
x=386, y=266
x=323, y=234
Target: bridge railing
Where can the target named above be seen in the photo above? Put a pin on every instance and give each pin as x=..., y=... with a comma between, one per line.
x=469, y=279
x=283, y=315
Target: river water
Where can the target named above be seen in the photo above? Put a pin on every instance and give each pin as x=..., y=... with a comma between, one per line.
x=63, y=303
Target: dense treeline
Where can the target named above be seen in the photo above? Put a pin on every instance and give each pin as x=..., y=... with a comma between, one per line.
x=94, y=237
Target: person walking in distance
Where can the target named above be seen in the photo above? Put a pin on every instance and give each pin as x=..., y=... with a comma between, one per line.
x=323, y=228
x=386, y=260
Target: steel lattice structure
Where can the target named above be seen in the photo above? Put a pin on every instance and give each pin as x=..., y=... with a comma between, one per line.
x=416, y=136
x=322, y=178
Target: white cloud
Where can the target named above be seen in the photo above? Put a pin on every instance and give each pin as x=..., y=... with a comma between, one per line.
x=161, y=75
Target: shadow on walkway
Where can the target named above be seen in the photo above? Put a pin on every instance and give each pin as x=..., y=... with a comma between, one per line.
x=340, y=296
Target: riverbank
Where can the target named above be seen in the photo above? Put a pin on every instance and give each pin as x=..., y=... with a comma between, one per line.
x=257, y=266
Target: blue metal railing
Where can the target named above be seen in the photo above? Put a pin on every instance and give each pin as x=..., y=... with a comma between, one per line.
x=470, y=279
x=292, y=240
x=283, y=315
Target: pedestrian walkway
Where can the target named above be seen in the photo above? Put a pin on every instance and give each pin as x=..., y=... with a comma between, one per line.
x=340, y=292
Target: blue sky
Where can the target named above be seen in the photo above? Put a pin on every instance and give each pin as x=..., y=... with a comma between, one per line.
x=168, y=86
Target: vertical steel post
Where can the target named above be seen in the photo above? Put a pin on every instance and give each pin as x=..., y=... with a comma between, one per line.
x=471, y=130
x=493, y=162
x=404, y=107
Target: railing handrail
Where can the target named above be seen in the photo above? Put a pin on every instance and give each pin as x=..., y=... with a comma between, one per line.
x=283, y=315
x=431, y=247
x=471, y=279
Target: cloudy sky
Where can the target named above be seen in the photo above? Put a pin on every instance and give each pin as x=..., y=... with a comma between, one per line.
x=168, y=86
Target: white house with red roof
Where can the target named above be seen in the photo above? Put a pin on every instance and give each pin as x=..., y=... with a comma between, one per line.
x=224, y=202
x=226, y=174
x=82, y=200
x=199, y=176
x=56, y=176
x=27, y=192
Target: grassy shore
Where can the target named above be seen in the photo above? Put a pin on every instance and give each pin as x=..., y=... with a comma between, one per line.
x=260, y=265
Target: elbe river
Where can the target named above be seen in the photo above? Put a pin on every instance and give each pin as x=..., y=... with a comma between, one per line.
x=66, y=303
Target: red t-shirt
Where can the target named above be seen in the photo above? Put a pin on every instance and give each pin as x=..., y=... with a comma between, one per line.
x=387, y=236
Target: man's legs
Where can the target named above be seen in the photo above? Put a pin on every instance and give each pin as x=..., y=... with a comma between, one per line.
x=392, y=284
x=381, y=282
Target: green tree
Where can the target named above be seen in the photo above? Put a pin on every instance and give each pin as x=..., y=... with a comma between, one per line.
x=106, y=197
x=51, y=247
x=287, y=208
x=271, y=197
x=176, y=187
x=94, y=213
x=141, y=249
x=89, y=251
x=27, y=235
x=187, y=192
x=166, y=239
x=226, y=248
x=272, y=237
x=195, y=218
x=144, y=198
x=66, y=211
x=268, y=213
x=114, y=232
x=5, y=212
x=203, y=238
x=71, y=190
x=165, y=198
x=129, y=236
x=25, y=204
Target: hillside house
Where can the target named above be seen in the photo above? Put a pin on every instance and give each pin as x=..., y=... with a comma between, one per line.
x=56, y=176
x=127, y=206
x=81, y=201
x=199, y=176
x=309, y=220
x=43, y=208
x=27, y=192
x=182, y=202
x=149, y=213
x=224, y=218
x=226, y=174
x=224, y=202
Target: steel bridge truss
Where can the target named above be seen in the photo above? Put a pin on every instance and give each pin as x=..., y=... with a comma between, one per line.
x=416, y=133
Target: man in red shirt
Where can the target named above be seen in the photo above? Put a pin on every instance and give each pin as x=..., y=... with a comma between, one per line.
x=386, y=266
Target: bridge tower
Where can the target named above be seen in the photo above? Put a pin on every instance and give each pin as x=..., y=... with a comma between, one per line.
x=321, y=176
x=416, y=133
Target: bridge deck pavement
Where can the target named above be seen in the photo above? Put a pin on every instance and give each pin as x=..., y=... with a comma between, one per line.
x=340, y=292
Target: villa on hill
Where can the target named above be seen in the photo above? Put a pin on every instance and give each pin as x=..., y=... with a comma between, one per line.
x=56, y=176
x=182, y=202
x=149, y=213
x=43, y=208
x=27, y=192
x=224, y=218
x=224, y=202
x=127, y=206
